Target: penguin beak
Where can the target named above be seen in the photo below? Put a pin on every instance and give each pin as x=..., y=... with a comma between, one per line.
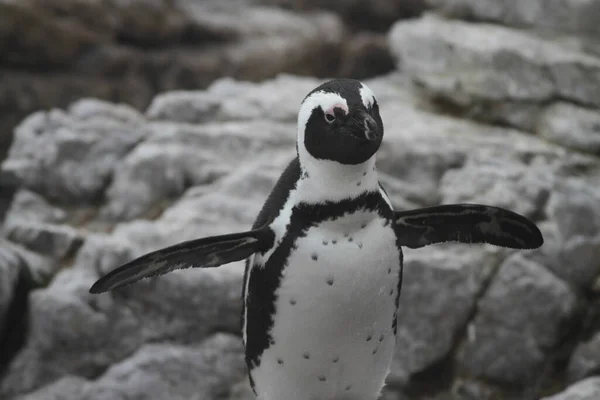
x=367, y=125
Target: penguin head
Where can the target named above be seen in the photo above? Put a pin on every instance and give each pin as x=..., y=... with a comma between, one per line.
x=339, y=121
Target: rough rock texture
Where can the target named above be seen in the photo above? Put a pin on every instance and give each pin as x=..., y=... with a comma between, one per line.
x=588, y=389
x=375, y=15
x=585, y=360
x=160, y=371
x=87, y=144
x=439, y=292
x=573, y=16
x=127, y=51
x=525, y=311
x=503, y=76
x=10, y=264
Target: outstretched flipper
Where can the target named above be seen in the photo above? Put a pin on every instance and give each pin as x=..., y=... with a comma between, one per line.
x=466, y=223
x=208, y=252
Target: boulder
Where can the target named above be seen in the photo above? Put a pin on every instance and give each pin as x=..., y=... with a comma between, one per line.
x=571, y=126
x=127, y=51
x=376, y=15
x=492, y=73
x=570, y=16
x=525, y=311
x=587, y=389
x=80, y=153
x=585, y=360
x=439, y=292
x=75, y=333
x=160, y=371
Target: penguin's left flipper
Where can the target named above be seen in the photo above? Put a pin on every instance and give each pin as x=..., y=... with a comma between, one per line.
x=207, y=252
x=466, y=223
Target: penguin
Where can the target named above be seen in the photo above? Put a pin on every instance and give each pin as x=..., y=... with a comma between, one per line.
x=323, y=276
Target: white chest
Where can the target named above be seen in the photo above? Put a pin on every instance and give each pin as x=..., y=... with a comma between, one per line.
x=333, y=336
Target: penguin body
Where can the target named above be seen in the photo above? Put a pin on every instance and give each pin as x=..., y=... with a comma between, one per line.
x=331, y=330
x=324, y=271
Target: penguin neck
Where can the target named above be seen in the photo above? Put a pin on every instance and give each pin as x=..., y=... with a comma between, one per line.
x=325, y=180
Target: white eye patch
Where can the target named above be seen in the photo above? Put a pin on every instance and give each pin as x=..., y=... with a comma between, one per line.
x=327, y=101
x=367, y=96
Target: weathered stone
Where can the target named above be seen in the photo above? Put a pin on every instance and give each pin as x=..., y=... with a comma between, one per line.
x=56, y=241
x=176, y=157
x=525, y=311
x=573, y=16
x=492, y=73
x=571, y=126
x=67, y=388
x=587, y=389
x=166, y=371
x=206, y=371
x=439, y=292
x=585, y=360
x=575, y=206
x=30, y=33
x=75, y=333
x=227, y=99
x=503, y=183
x=30, y=206
x=126, y=51
x=366, y=55
x=79, y=154
x=376, y=15
x=10, y=265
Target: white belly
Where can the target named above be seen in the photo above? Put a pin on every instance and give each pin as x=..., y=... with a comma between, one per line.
x=333, y=336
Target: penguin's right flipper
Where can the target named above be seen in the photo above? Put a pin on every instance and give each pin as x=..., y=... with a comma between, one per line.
x=207, y=252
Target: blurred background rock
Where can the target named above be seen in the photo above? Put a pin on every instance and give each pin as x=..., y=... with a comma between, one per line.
x=128, y=125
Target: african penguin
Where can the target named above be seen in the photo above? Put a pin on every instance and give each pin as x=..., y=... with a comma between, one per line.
x=324, y=271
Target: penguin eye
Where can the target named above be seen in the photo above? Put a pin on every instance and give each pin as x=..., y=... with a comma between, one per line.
x=329, y=116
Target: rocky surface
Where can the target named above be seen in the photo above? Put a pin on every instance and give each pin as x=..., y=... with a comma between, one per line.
x=572, y=16
x=503, y=76
x=477, y=112
x=128, y=51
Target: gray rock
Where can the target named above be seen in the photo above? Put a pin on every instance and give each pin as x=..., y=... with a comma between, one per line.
x=75, y=333
x=30, y=206
x=439, y=292
x=572, y=259
x=10, y=265
x=362, y=14
x=56, y=241
x=500, y=182
x=177, y=156
x=366, y=55
x=79, y=154
x=525, y=311
x=242, y=391
x=572, y=16
x=587, y=389
x=571, y=126
x=492, y=73
x=67, y=388
x=165, y=371
x=127, y=51
x=227, y=99
x=585, y=360
x=575, y=206
x=161, y=371
x=40, y=268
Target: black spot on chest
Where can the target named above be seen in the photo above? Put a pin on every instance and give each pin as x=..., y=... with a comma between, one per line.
x=264, y=281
